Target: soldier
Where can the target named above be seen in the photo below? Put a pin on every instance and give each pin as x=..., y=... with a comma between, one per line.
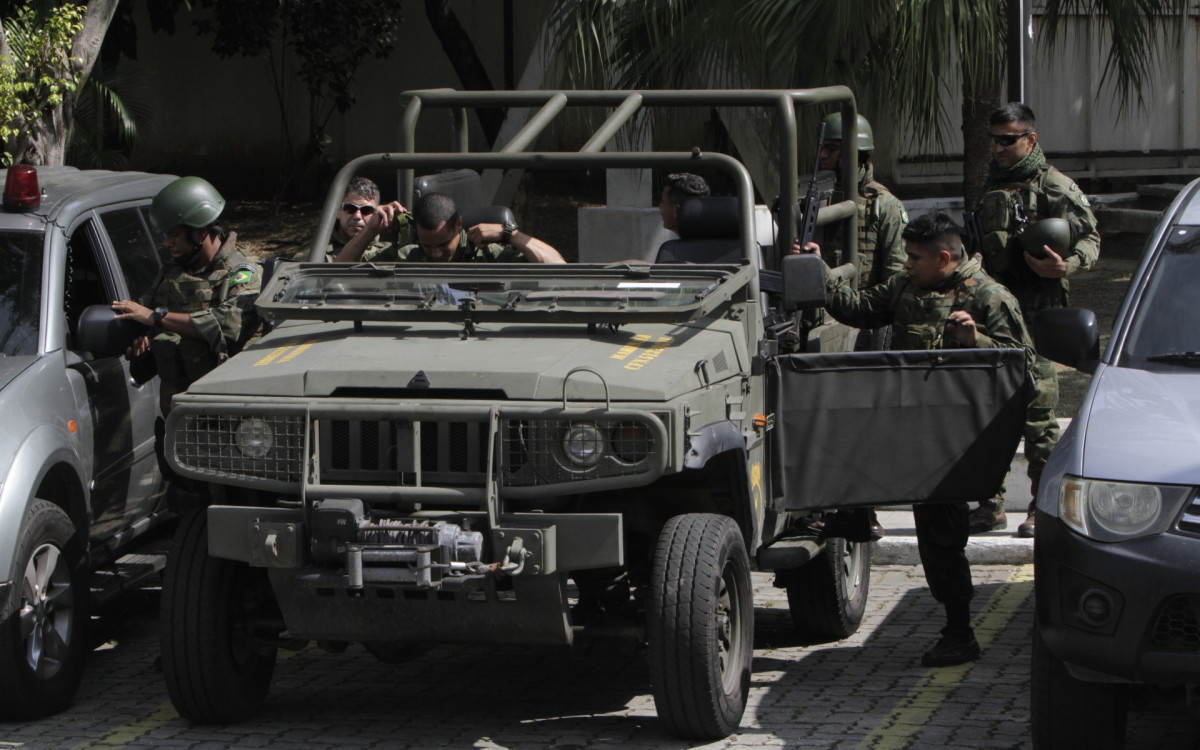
x=944, y=300
x=881, y=215
x=442, y=238
x=360, y=220
x=1021, y=191
x=201, y=310
x=679, y=187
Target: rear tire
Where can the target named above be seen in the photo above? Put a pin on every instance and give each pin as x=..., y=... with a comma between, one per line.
x=1068, y=712
x=217, y=659
x=700, y=626
x=828, y=596
x=42, y=640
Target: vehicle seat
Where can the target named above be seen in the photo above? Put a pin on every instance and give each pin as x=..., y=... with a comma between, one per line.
x=463, y=185
x=473, y=215
x=709, y=232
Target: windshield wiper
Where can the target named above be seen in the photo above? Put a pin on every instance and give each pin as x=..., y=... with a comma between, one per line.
x=1177, y=358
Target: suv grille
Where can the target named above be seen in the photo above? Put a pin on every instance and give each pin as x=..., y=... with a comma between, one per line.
x=1178, y=625
x=383, y=452
x=1191, y=516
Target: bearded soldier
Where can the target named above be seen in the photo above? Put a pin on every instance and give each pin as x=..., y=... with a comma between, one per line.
x=1037, y=228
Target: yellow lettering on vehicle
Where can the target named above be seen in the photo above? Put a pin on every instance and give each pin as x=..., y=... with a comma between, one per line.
x=299, y=350
x=272, y=356
x=284, y=353
x=756, y=489
x=648, y=354
x=628, y=349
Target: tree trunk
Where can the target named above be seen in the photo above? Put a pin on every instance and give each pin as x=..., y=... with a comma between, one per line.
x=461, y=52
x=977, y=107
x=45, y=141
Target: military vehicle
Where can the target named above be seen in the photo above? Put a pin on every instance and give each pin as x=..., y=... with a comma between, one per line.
x=525, y=453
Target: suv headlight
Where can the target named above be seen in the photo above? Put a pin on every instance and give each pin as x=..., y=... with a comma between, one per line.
x=1116, y=511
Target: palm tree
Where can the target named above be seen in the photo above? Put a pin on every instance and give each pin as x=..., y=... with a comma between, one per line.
x=900, y=56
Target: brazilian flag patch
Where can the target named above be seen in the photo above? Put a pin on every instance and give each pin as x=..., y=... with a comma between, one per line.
x=241, y=277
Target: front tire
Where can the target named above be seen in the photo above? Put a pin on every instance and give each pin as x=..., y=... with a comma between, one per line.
x=218, y=655
x=828, y=596
x=42, y=632
x=1068, y=712
x=700, y=626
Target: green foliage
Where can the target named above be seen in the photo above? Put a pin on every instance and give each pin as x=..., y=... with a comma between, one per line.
x=38, y=70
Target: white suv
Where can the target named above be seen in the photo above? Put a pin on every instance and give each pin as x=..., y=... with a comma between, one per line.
x=79, y=479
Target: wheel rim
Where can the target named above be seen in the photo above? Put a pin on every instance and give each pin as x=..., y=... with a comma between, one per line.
x=46, y=615
x=729, y=629
x=853, y=566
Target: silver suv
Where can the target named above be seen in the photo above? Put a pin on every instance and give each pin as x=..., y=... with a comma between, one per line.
x=1118, y=528
x=79, y=479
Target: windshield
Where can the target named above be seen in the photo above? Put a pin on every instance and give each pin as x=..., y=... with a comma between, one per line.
x=1166, y=326
x=498, y=291
x=20, y=291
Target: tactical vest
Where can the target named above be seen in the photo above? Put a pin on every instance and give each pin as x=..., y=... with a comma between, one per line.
x=1003, y=256
x=920, y=315
x=870, y=262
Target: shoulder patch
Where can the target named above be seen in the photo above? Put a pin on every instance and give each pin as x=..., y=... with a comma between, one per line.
x=241, y=276
x=903, y=214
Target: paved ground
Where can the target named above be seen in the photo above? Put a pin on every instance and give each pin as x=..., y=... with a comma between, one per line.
x=867, y=692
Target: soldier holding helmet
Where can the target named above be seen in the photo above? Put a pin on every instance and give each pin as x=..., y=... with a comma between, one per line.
x=1037, y=228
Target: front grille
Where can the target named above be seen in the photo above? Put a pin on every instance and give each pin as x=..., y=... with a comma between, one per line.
x=208, y=444
x=1191, y=516
x=385, y=452
x=1177, y=627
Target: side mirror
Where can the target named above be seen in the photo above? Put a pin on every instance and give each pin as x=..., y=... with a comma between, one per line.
x=803, y=282
x=100, y=333
x=1069, y=336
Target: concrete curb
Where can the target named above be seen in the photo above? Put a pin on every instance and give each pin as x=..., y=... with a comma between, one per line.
x=902, y=550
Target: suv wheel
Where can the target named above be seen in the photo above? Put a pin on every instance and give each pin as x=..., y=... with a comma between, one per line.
x=218, y=646
x=700, y=626
x=42, y=633
x=1067, y=712
x=828, y=596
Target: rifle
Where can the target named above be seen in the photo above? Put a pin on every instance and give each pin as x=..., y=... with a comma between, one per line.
x=812, y=198
x=974, y=228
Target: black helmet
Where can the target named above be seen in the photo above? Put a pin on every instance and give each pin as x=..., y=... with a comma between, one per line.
x=1053, y=232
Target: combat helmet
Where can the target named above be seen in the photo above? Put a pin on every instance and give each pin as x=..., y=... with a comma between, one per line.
x=833, y=131
x=190, y=201
x=1053, y=232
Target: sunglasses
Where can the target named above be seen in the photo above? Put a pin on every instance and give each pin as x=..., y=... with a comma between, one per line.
x=1008, y=139
x=366, y=210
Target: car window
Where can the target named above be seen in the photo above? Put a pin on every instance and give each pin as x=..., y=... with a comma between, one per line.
x=20, y=291
x=1167, y=321
x=135, y=247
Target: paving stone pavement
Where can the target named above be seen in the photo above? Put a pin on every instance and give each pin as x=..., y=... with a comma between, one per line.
x=868, y=692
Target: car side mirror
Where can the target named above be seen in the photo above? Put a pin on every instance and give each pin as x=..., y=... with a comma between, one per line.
x=803, y=282
x=1069, y=336
x=100, y=333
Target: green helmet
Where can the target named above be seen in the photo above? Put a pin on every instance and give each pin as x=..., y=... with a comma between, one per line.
x=1053, y=232
x=190, y=201
x=833, y=131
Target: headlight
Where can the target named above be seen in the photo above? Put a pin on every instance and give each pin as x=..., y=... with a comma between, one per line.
x=255, y=438
x=1116, y=511
x=583, y=444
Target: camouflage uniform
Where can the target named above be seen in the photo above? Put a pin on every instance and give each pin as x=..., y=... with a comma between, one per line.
x=918, y=318
x=881, y=219
x=335, y=246
x=466, y=253
x=220, y=300
x=1043, y=192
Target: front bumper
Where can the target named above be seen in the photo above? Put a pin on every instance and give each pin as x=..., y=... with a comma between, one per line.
x=1120, y=611
x=397, y=582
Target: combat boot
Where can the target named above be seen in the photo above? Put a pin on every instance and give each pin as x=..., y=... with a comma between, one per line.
x=985, y=518
x=952, y=649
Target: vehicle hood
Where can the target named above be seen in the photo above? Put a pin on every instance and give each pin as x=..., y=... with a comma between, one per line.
x=524, y=362
x=11, y=367
x=1143, y=426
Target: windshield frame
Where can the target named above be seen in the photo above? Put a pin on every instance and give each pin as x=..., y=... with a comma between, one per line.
x=1145, y=331
x=722, y=284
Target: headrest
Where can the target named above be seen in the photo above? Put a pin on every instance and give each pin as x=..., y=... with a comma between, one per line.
x=485, y=215
x=709, y=218
x=463, y=185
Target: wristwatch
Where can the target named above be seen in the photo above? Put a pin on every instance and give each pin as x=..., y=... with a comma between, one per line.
x=507, y=233
x=156, y=317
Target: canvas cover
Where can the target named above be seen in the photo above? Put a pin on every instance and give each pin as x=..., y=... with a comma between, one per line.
x=883, y=428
